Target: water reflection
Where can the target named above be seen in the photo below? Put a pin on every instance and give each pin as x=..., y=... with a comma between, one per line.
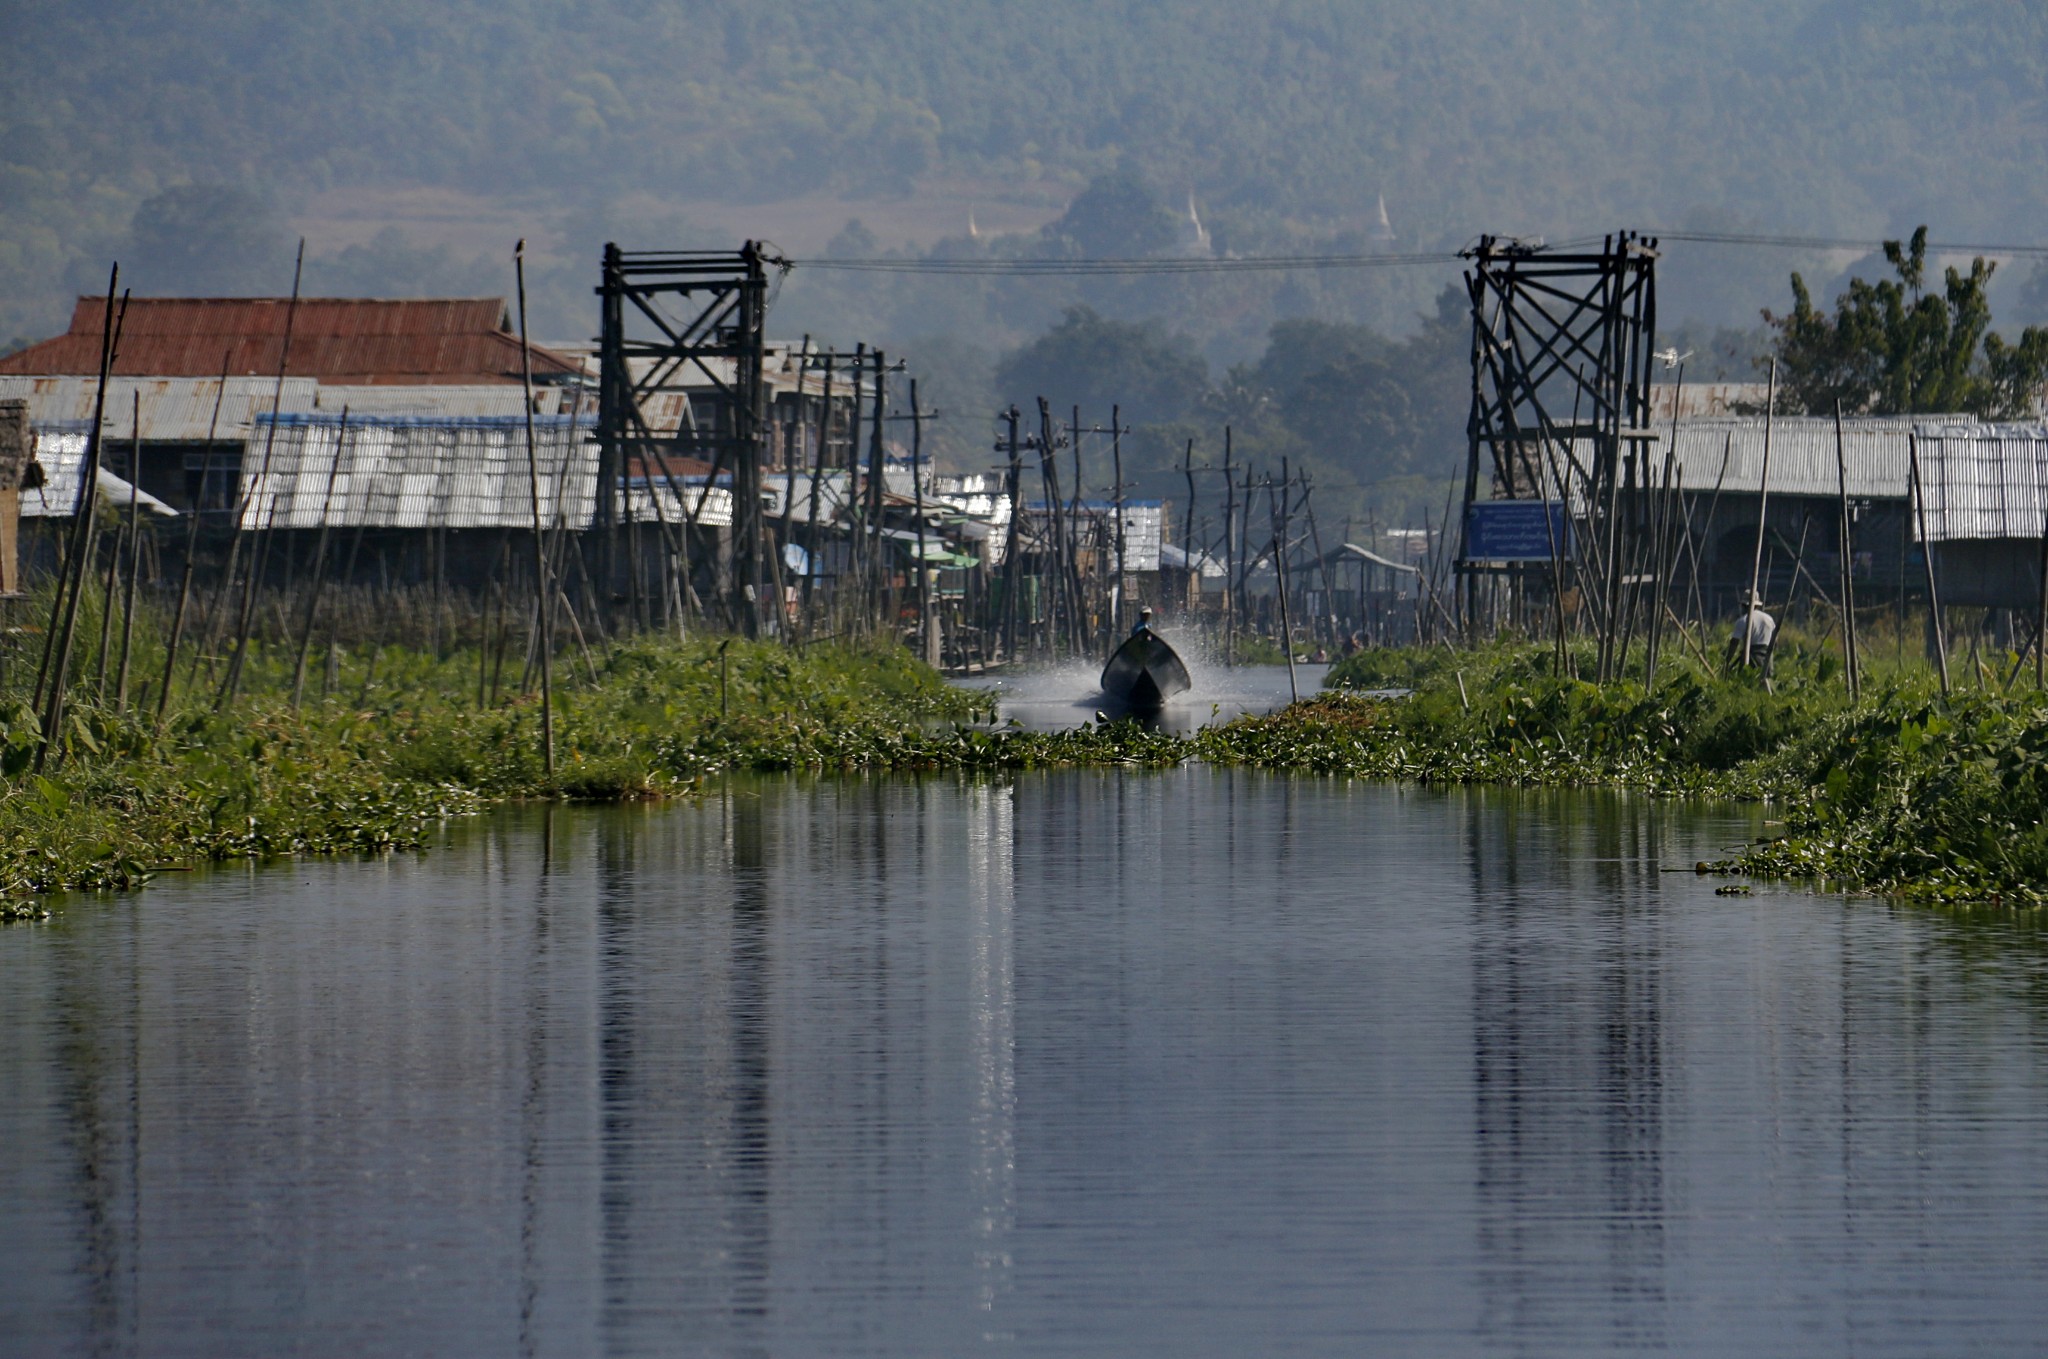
x=1194, y=1062
x=1569, y=1064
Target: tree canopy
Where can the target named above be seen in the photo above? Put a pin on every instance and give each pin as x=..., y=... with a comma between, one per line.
x=1894, y=348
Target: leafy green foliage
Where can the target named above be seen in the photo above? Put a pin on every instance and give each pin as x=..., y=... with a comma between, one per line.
x=1097, y=362
x=1892, y=348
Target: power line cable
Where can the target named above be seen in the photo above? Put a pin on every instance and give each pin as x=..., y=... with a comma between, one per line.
x=1093, y=267
x=1839, y=243
x=1072, y=268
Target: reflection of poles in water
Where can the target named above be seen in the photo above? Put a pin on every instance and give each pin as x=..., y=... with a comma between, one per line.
x=1555, y=1016
x=992, y=998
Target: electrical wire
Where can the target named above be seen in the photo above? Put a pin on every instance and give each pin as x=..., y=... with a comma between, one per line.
x=1094, y=267
x=1072, y=268
x=1838, y=243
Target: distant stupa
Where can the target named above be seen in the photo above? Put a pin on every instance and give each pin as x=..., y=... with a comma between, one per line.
x=1383, y=230
x=973, y=231
x=1198, y=235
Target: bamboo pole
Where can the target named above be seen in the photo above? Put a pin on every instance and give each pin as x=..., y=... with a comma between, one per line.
x=1927, y=557
x=542, y=611
x=83, y=519
x=1280, y=546
x=320, y=565
x=134, y=555
x=926, y=637
x=259, y=555
x=163, y=697
x=1763, y=505
x=1854, y=667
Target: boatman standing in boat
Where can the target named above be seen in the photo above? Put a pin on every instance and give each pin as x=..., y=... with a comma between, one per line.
x=1144, y=623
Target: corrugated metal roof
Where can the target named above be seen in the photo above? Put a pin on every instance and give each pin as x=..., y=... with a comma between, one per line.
x=663, y=501
x=1706, y=400
x=61, y=453
x=174, y=409
x=1730, y=454
x=401, y=472
x=450, y=401
x=1983, y=480
x=361, y=340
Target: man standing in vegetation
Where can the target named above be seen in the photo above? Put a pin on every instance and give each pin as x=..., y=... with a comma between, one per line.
x=1755, y=632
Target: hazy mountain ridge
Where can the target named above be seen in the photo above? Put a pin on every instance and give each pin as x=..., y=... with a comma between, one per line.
x=1286, y=120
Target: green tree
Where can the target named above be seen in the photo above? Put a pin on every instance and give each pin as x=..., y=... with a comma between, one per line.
x=209, y=239
x=1095, y=362
x=1117, y=217
x=1893, y=348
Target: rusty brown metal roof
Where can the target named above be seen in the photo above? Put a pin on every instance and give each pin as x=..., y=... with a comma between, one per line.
x=366, y=341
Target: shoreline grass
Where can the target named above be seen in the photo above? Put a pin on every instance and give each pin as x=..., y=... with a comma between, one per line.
x=1907, y=792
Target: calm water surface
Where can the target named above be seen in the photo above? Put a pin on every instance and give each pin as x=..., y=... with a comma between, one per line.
x=1182, y=1063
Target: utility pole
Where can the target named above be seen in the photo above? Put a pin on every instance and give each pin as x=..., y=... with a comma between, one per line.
x=1229, y=556
x=928, y=634
x=1012, y=547
x=1123, y=566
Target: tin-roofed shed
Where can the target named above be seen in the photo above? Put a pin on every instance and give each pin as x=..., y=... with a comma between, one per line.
x=1985, y=488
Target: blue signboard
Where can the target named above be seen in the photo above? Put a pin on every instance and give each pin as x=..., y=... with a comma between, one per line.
x=1514, y=530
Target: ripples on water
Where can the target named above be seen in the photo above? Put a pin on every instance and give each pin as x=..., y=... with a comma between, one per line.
x=1187, y=1063
x=1056, y=697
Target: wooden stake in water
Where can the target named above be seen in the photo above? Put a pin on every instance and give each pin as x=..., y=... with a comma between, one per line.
x=163, y=697
x=1763, y=505
x=1854, y=667
x=543, y=613
x=259, y=556
x=1927, y=557
x=320, y=563
x=83, y=519
x=134, y=555
x=1280, y=571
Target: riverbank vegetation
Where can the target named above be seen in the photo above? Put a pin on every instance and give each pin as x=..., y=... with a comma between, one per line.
x=1906, y=791
x=399, y=741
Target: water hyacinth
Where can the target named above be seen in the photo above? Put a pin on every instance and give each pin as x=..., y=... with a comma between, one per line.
x=1906, y=791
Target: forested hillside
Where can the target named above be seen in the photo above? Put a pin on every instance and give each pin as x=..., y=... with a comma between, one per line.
x=1285, y=121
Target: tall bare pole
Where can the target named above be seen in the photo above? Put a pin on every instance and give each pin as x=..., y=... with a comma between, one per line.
x=83, y=517
x=925, y=636
x=543, y=614
x=1280, y=531
x=1230, y=591
x=1854, y=668
x=1763, y=506
x=1187, y=525
x=878, y=546
x=163, y=697
x=257, y=556
x=134, y=555
x=1927, y=557
x=320, y=561
x=1123, y=565
x=99, y=683
x=817, y=479
x=1013, y=538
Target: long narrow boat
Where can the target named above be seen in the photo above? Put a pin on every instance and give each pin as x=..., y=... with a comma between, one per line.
x=1144, y=672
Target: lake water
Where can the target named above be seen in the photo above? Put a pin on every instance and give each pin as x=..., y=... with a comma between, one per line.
x=1178, y=1063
